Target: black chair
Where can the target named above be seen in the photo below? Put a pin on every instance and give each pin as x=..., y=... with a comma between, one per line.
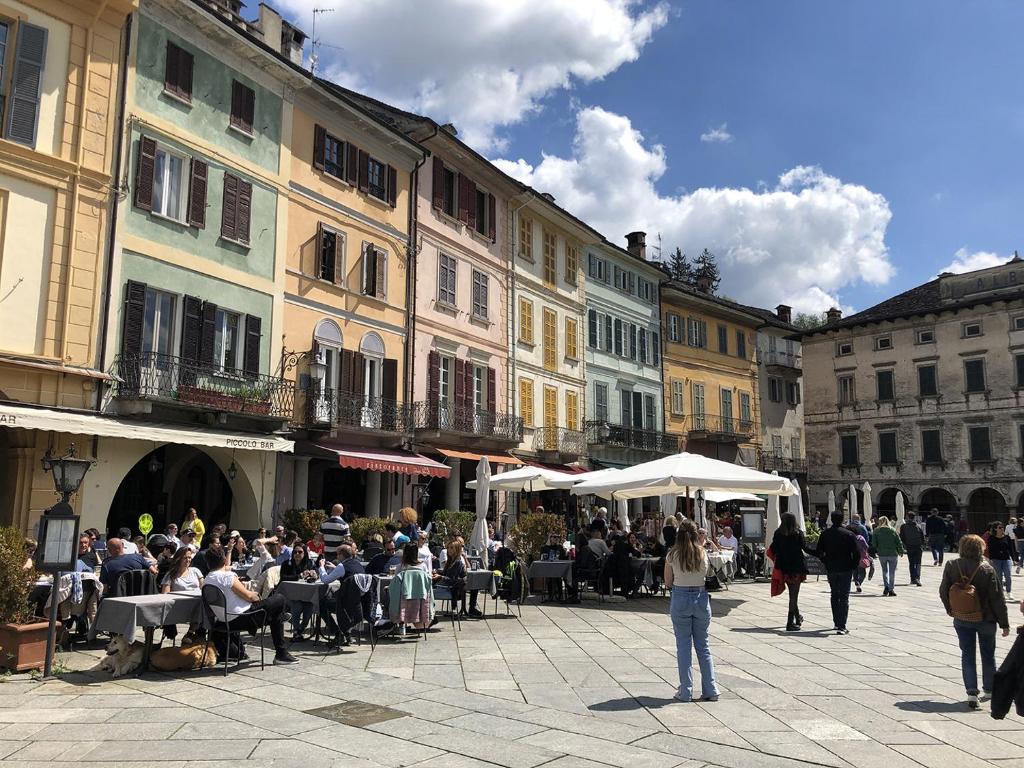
x=452, y=595
x=590, y=570
x=134, y=583
x=214, y=598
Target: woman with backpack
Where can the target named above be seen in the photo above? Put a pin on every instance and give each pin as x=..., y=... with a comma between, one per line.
x=971, y=594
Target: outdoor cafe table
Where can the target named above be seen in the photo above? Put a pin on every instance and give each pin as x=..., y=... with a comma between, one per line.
x=719, y=561
x=483, y=581
x=124, y=615
x=551, y=569
x=645, y=566
x=309, y=592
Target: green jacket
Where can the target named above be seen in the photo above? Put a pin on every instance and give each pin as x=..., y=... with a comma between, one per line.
x=886, y=542
x=410, y=584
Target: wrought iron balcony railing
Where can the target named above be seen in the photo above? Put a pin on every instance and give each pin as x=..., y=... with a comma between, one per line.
x=335, y=408
x=567, y=442
x=467, y=421
x=167, y=378
x=719, y=426
x=603, y=433
x=777, y=359
x=768, y=462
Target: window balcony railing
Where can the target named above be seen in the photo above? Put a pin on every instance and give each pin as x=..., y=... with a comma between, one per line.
x=467, y=421
x=336, y=408
x=167, y=378
x=769, y=462
x=719, y=427
x=565, y=442
x=777, y=359
x=615, y=435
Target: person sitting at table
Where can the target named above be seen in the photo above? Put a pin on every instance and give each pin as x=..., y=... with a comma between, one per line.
x=407, y=518
x=620, y=568
x=412, y=603
x=373, y=546
x=171, y=532
x=118, y=562
x=201, y=560
x=426, y=556
x=241, y=602
x=142, y=549
x=597, y=544
x=237, y=552
x=389, y=558
x=182, y=576
x=316, y=544
x=668, y=531
x=726, y=541
x=708, y=543
x=600, y=522
x=286, y=544
x=261, y=533
x=266, y=554
x=86, y=554
x=454, y=572
x=299, y=568
x=188, y=539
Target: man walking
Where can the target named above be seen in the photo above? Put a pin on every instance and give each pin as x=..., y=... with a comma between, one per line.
x=334, y=529
x=913, y=542
x=935, y=528
x=837, y=549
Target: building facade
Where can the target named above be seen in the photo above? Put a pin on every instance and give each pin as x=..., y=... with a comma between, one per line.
x=61, y=87
x=710, y=373
x=780, y=385
x=921, y=396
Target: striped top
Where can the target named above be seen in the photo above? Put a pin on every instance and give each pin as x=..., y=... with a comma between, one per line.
x=334, y=529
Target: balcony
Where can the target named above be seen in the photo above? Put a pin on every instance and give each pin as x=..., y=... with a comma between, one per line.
x=719, y=429
x=768, y=462
x=158, y=378
x=560, y=443
x=782, y=363
x=462, y=422
x=631, y=438
x=334, y=408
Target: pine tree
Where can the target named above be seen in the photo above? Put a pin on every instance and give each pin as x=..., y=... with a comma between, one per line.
x=679, y=266
x=705, y=270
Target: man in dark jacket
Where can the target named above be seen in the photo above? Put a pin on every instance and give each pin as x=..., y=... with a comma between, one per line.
x=837, y=549
x=913, y=542
x=935, y=529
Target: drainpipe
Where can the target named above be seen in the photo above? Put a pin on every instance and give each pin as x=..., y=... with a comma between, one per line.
x=512, y=309
x=410, y=275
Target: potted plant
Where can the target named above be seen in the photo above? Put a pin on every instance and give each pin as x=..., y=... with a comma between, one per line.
x=22, y=635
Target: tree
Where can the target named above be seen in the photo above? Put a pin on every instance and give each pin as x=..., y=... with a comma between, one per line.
x=705, y=271
x=809, y=321
x=679, y=266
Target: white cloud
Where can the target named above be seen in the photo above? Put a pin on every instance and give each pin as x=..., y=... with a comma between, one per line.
x=719, y=135
x=798, y=241
x=481, y=64
x=966, y=261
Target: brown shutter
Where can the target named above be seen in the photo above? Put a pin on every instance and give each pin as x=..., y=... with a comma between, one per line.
x=229, y=208
x=492, y=224
x=251, y=354
x=319, y=146
x=185, y=74
x=364, y=171
x=492, y=392
x=471, y=204
x=339, y=260
x=134, y=319
x=318, y=263
x=236, y=103
x=345, y=375
x=358, y=373
x=171, y=67
x=248, y=108
x=369, y=270
x=463, y=212
x=392, y=186
x=389, y=379
x=197, y=193
x=437, y=193
x=433, y=388
x=144, y=170
x=244, y=211
x=208, y=339
x=191, y=330
x=460, y=394
x=380, y=279
x=352, y=163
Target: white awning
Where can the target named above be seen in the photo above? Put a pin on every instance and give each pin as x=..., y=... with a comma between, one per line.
x=49, y=420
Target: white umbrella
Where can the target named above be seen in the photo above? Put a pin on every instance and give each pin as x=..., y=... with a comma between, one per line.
x=529, y=480
x=797, y=507
x=667, y=503
x=901, y=513
x=774, y=519
x=678, y=473
x=717, y=497
x=478, y=540
x=622, y=509
x=852, y=498
x=866, y=488
x=831, y=501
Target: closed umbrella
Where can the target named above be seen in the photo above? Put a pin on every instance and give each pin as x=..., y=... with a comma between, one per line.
x=774, y=519
x=866, y=488
x=901, y=512
x=797, y=505
x=622, y=509
x=831, y=501
x=853, y=501
x=478, y=540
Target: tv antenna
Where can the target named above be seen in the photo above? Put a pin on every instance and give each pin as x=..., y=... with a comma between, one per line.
x=316, y=42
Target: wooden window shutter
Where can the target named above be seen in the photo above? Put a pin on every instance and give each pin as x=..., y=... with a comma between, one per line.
x=351, y=163
x=492, y=392
x=319, y=146
x=492, y=224
x=345, y=376
x=171, y=67
x=318, y=250
x=460, y=383
x=471, y=204
x=251, y=355
x=229, y=208
x=339, y=259
x=243, y=106
x=433, y=377
x=208, y=339
x=364, y=171
x=437, y=193
x=27, y=84
x=358, y=373
x=244, y=216
x=392, y=186
x=380, y=279
x=134, y=320
x=191, y=330
x=463, y=212
x=185, y=74
x=389, y=379
x=198, y=172
x=144, y=171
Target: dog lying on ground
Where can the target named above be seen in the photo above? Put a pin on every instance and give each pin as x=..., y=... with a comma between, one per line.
x=122, y=657
x=183, y=658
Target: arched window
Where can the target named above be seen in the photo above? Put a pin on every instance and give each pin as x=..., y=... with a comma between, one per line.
x=372, y=345
x=372, y=349
x=328, y=332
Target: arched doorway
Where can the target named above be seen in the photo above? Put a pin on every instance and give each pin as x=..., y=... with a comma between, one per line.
x=165, y=483
x=984, y=505
x=886, y=504
x=939, y=499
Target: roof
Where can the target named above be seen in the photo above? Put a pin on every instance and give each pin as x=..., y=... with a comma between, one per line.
x=763, y=316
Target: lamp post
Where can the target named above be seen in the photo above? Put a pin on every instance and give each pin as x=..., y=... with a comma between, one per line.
x=59, y=533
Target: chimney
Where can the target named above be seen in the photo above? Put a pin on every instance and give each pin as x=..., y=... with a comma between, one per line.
x=784, y=313
x=548, y=196
x=450, y=128
x=279, y=34
x=703, y=284
x=636, y=244
x=834, y=315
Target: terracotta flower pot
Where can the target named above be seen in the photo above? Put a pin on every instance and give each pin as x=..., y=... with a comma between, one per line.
x=23, y=646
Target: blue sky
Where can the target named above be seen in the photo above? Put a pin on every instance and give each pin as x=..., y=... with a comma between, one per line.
x=912, y=111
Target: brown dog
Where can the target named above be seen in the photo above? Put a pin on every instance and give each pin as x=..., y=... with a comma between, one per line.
x=185, y=657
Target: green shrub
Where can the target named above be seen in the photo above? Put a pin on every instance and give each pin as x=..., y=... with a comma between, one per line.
x=305, y=522
x=812, y=533
x=450, y=522
x=531, y=533
x=363, y=528
x=15, y=583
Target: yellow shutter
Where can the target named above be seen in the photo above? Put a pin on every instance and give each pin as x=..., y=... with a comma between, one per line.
x=526, y=239
x=572, y=410
x=526, y=321
x=550, y=407
x=572, y=263
x=550, y=340
x=526, y=401
x=550, y=258
x=571, y=338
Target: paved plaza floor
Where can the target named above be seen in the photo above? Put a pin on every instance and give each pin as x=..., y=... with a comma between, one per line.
x=578, y=686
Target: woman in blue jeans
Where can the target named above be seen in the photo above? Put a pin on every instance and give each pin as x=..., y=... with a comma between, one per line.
x=686, y=568
x=976, y=632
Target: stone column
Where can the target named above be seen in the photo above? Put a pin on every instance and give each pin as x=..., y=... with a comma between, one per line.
x=371, y=506
x=300, y=482
x=454, y=486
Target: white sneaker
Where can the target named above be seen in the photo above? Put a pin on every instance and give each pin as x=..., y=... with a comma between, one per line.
x=972, y=701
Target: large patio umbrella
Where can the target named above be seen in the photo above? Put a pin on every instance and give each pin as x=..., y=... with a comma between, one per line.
x=622, y=510
x=866, y=488
x=679, y=474
x=717, y=497
x=831, y=501
x=478, y=540
x=901, y=512
x=797, y=507
x=852, y=498
x=529, y=480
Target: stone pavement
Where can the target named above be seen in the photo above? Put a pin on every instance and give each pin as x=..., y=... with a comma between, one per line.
x=580, y=686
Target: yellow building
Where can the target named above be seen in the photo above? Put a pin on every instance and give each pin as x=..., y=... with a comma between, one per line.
x=58, y=171
x=710, y=373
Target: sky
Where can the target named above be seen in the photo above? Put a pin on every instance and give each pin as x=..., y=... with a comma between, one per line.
x=830, y=153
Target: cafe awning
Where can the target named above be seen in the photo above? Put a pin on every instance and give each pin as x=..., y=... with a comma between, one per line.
x=494, y=458
x=379, y=460
x=79, y=423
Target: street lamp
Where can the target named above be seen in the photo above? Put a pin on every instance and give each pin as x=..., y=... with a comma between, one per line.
x=68, y=473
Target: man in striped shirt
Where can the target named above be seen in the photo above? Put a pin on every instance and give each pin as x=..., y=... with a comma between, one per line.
x=334, y=528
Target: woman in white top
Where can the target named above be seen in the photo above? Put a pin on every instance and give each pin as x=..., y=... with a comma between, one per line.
x=686, y=568
x=181, y=575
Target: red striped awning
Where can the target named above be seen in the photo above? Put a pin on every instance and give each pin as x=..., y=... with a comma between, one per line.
x=494, y=458
x=401, y=462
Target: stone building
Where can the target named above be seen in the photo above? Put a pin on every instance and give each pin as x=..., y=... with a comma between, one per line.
x=780, y=379
x=921, y=395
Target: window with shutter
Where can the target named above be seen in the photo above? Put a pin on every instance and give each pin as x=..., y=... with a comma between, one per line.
x=572, y=350
x=170, y=184
x=974, y=375
x=319, y=146
x=144, y=173
x=600, y=401
x=551, y=415
x=26, y=84
x=437, y=190
x=525, y=239
x=134, y=319
x=526, y=401
x=550, y=258
x=382, y=274
x=330, y=249
x=178, y=72
x=550, y=340
x=243, y=107
x=208, y=340
x=492, y=225
x=352, y=155
x=481, y=290
x=236, y=213
x=377, y=179
x=655, y=348
x=526, y=321
x=887, y=450
x=446, y=278
x=608, y=341
x=572, y=263
x=678, y=397
x=849, y=451
x=572, y=410
x=592, y=323
x=618, y=337
x=197, y=193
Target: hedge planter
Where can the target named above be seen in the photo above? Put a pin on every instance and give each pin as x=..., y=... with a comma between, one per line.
x=23, y=646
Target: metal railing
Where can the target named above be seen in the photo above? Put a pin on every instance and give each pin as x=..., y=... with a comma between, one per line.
x=468, y=421
x=603, y=433
x=768, y=462
x=358, y=411
x=782, y=359
x=155, y=376
x=720, y=426
x=568, y=442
